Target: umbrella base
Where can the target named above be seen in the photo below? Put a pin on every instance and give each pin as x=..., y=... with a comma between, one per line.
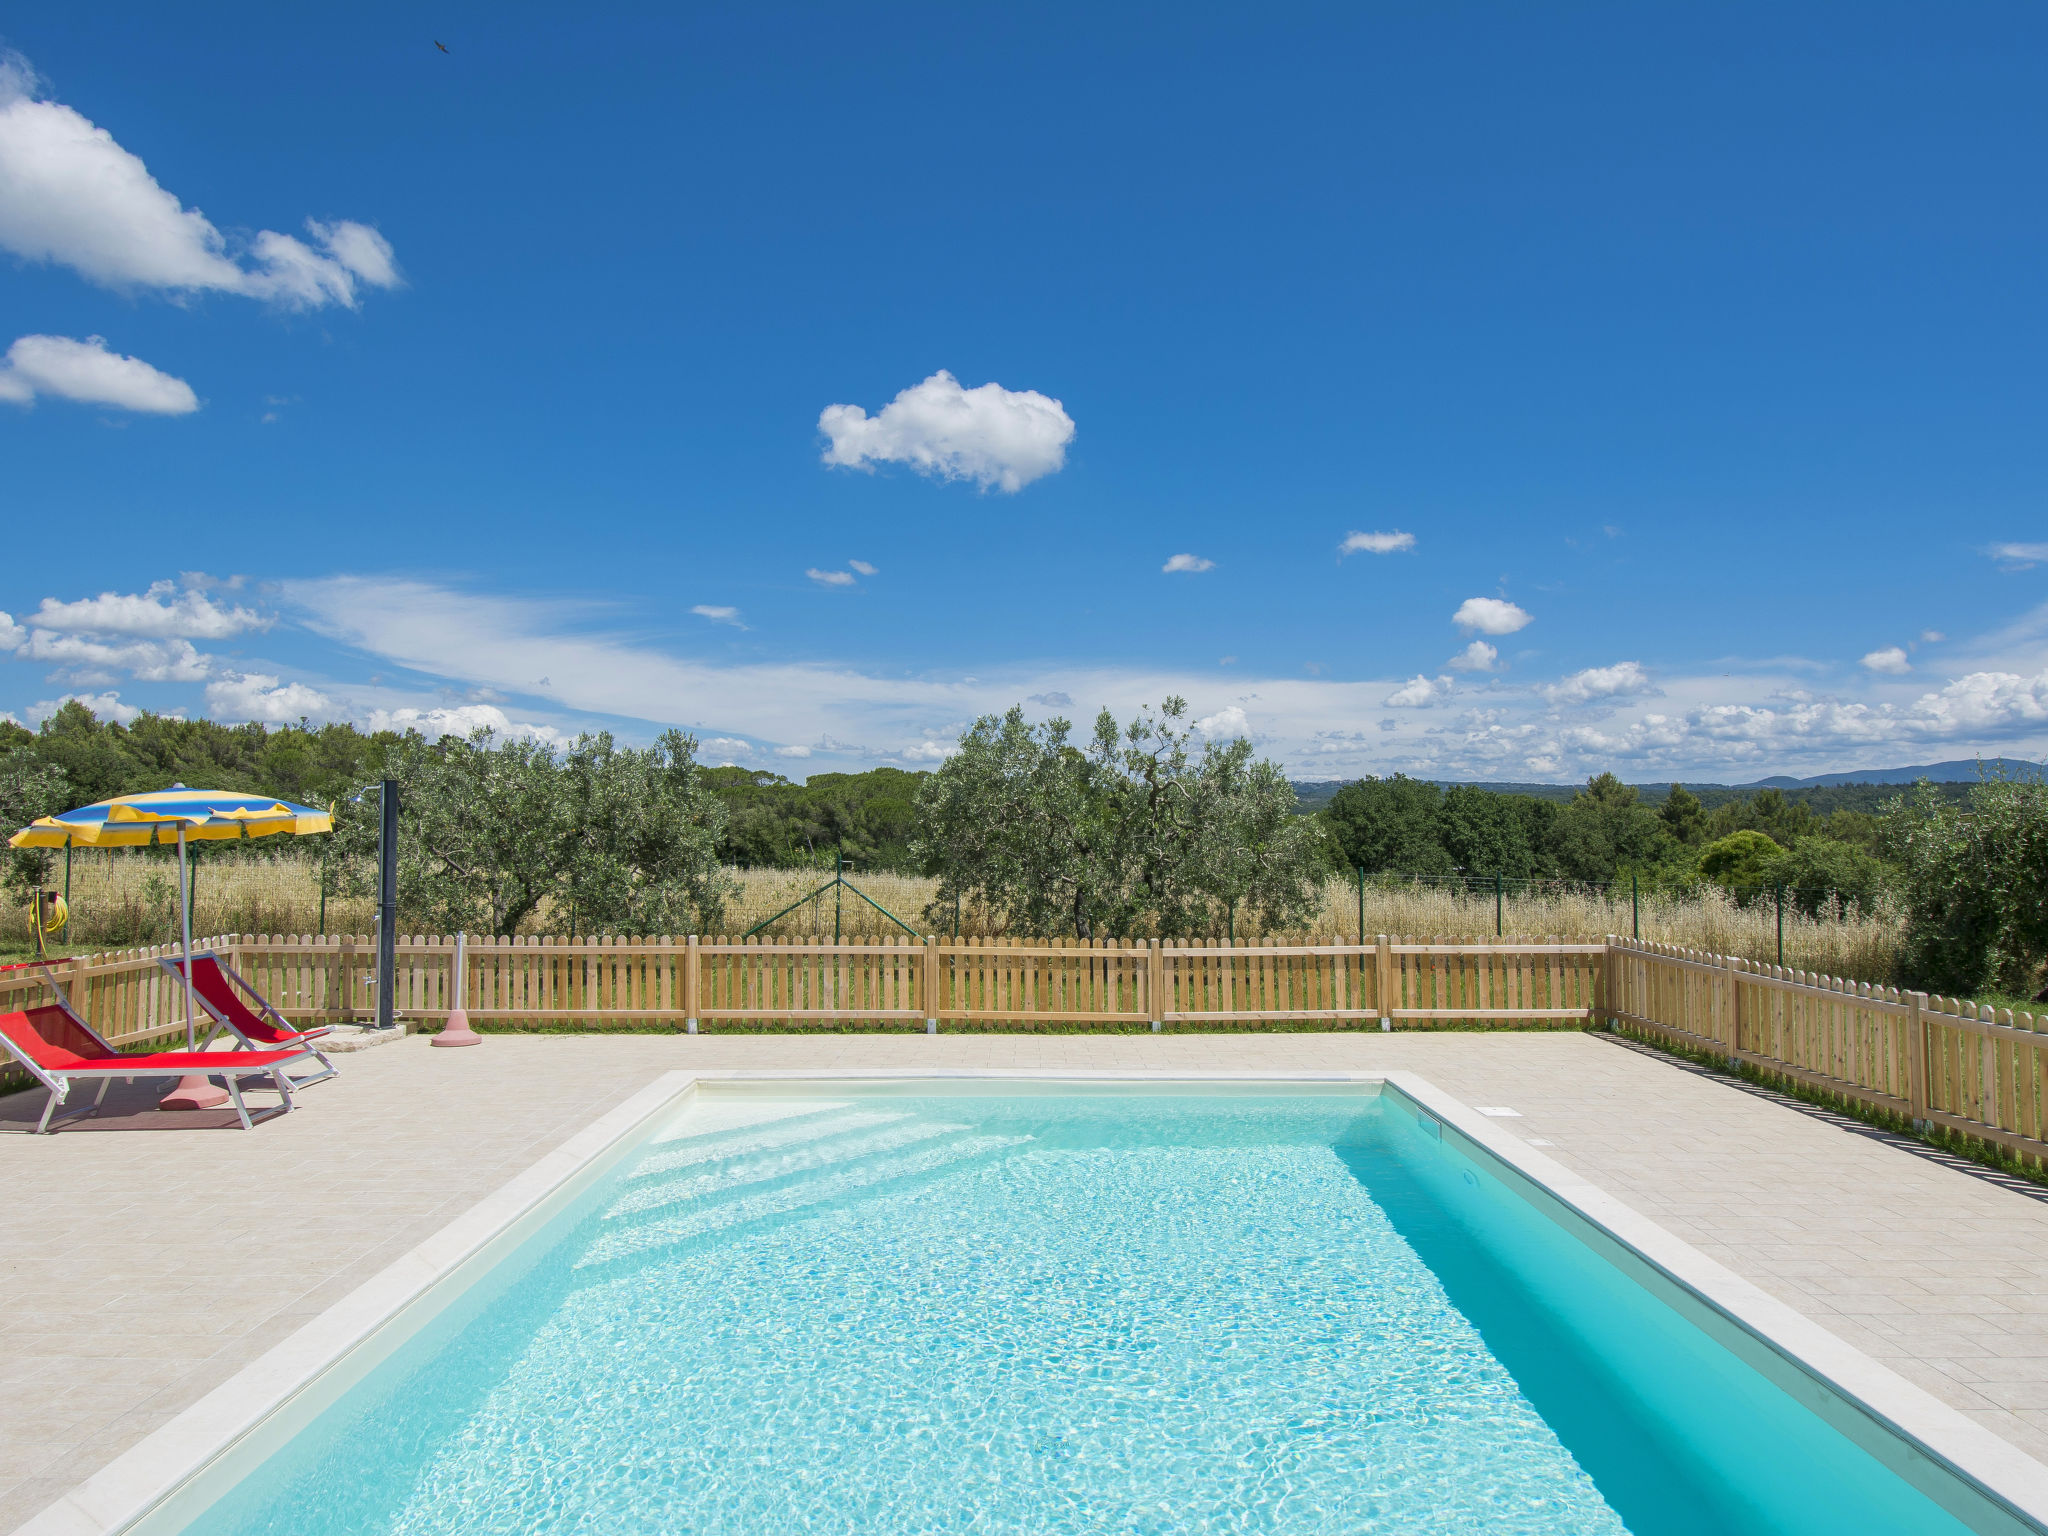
x=193, y=1092
x=457, y=1031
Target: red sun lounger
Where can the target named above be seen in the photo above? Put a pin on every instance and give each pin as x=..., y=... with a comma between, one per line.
x=215, y=984
x=59, y=1048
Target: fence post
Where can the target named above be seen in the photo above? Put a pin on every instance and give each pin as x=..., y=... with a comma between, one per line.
x=1496, y=904
x=1734, y=1011
x=691, y=983
x=1635, y=908
x=1916, y=1058
x=1781, y=922
x=1361, y=903
x=1608, y=974
x=1155, y=985
x=931, y=978
x=1383, y=991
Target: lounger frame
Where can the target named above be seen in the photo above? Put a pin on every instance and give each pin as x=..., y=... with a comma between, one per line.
x=222, y=1024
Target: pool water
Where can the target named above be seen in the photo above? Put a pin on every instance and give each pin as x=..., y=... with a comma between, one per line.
x=889, y=1313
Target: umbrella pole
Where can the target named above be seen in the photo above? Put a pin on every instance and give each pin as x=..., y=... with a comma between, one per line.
x=194, y=1091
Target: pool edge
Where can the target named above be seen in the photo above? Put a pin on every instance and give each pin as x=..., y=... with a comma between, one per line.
x=1979, y=1456
x=141, y=1480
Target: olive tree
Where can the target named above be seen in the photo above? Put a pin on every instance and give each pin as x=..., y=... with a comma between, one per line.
x=1138, y=828
x=1973, y=878
x=613, y=839
x=29, y=788
x=1020, y=819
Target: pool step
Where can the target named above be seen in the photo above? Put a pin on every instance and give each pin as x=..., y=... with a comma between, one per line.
x=648, y=1231
x=717, y=1177
x=797, y=1131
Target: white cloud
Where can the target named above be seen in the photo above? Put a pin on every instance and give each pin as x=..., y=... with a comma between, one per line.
x=929, y=752
x=107, y=706
x=86, y=371
x=12, y=635
x=461, y=720
x=718, y=614
x=2018, y=557
x=1704, y=726
x=998, y=437
x=830, y=578
x=1188, y=563
x=864, y=568
x=146, y=635
x=1229, y=721
x=160, y=613
x=723, y=751
x=793, y=751
x=1490, y=616
x=1052, y=700
x=1932, y=637
x=69, y=194
x=1622, y=680
x=1476, y=657
x=1418, y=692
x=1376, y=543
x=1891, y=659
x=239, y=696
x=90, y=660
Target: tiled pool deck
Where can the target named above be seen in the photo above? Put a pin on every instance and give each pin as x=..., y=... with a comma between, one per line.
x=148, y=1256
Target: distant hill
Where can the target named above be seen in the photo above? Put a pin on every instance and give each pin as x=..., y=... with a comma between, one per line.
x=1961, y=771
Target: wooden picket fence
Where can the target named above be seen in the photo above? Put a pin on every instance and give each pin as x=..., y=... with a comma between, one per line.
x=979, y=983
x=1932, y=1060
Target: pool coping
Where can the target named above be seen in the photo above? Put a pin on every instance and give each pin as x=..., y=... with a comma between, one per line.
x=144, y=1477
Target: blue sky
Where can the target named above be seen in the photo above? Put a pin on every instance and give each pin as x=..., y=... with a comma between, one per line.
x=1695, y=350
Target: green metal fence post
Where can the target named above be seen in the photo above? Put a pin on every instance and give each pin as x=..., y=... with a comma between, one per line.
x=1635, y=908
x=1361, y=903
x=1496, y=904
x=1781, y=922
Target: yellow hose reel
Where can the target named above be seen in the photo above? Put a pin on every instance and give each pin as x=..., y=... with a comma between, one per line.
x=47, y=915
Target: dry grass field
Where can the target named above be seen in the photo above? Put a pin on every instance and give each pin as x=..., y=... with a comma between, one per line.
x=123, y=899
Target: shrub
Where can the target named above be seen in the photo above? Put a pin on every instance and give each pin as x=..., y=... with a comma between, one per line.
x=1741, y=863
x=1815, y=868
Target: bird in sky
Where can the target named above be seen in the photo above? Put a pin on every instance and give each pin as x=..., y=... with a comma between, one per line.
x=440, y=45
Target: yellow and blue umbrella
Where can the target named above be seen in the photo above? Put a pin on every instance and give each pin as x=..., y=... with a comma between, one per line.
x=171, y=815
x=175, y=815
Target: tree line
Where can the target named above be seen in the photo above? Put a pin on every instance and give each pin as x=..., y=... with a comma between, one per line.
x=1138, y=827
x=1605, y=832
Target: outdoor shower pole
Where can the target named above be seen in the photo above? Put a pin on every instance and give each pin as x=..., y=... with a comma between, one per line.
x=185, y=928
x=387, y=901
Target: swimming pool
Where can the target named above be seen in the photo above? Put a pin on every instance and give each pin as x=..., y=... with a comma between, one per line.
x=947, y=1307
